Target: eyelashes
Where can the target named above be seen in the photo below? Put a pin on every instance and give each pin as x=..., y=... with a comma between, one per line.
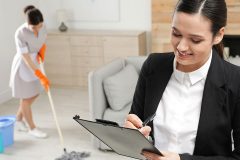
x=176, y=35
x=196, y=41
x=192, y=40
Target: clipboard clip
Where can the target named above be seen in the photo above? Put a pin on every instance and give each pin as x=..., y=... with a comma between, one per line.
x=107, y=122
x=76, y=117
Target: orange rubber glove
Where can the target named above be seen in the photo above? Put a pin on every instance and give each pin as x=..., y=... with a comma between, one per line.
x=41, y=53
x=43, y=79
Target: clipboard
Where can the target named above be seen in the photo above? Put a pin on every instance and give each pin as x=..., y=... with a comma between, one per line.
x=124, y=141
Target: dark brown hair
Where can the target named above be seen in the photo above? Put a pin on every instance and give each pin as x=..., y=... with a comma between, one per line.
x=214, y=10
x=27, y=8
x=34, y=15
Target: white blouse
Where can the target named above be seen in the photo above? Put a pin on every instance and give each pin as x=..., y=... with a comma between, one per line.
x=177, y=115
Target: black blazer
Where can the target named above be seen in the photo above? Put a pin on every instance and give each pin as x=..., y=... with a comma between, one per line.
x=220, y=109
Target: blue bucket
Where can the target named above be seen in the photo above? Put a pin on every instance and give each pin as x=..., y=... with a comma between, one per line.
x=1, y=143
x=7, y=129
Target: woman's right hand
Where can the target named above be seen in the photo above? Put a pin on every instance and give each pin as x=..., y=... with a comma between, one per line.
x=43, y=79
x=134, y=122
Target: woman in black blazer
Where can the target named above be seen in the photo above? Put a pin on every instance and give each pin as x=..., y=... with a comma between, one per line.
x=197, y=33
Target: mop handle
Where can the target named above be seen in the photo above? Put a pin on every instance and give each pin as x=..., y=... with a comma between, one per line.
x=53, y=108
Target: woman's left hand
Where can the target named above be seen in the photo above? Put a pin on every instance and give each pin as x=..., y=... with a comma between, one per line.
x=166, y=156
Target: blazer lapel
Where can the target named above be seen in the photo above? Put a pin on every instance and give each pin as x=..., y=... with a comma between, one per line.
x=214, y=95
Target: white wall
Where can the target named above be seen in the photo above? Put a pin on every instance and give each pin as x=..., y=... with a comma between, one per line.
x=11, y=17
x=134, y=15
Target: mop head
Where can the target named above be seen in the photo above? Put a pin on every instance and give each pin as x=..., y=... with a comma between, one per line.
x=74, y=156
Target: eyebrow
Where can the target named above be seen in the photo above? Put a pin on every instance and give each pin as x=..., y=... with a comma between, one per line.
x=193, y=35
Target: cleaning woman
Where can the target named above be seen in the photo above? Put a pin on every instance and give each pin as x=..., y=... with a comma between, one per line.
x=26, y=79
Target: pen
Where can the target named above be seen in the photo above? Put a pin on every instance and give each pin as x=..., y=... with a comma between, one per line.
x=149, y=119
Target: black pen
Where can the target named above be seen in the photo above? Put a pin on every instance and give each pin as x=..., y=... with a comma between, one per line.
x=149, y=119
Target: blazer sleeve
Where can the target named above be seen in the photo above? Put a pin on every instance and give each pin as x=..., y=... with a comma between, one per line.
x=139, y=95
x=235, y=155
x=190, y=157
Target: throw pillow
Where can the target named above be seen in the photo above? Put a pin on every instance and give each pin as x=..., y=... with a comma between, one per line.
x=120, y=87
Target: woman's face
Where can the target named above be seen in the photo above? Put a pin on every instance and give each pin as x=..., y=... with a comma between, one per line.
x=35, y=28
x=192, y=40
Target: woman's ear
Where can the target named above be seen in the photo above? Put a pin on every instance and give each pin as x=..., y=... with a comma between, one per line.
x=219, y=36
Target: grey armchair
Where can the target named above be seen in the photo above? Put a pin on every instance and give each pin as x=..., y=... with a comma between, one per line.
x=99, y=107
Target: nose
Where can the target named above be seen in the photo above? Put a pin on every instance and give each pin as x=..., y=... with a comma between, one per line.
x=182, y=45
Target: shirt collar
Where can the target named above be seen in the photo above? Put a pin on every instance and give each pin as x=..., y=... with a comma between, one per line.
x=194, y=76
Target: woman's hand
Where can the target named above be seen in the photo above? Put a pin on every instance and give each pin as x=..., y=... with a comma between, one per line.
x=134, y=122
x=41, y=54
x=166, y=156
x=43, y=79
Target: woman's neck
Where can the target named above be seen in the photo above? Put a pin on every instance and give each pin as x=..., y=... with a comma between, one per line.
x=35, y=33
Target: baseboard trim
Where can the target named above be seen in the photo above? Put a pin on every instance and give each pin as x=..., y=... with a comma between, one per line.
x=5, y=95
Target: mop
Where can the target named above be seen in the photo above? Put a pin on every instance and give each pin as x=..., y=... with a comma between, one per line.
x=66, y=156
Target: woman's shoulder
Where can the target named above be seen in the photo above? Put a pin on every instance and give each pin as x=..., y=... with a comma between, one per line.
x=161, y=58
x=162, y=55
x=232, y=74
x=21, y=30
x=157, y=62
x=231, y=68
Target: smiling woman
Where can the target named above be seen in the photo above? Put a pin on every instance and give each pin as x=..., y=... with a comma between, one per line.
x=193, y=90
x=192, y=40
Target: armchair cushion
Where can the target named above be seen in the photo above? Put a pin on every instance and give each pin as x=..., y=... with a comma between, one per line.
x=117, y=116
x=119, y=88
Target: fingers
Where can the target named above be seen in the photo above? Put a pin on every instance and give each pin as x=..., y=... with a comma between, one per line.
x=165, y=153
x=128, y=124
x=46, y=86
x=145, y=130
x=133, y=121
x=152, y=156
x=166, y=156
x=43, y=79
x=42, y=52
x=45, y=83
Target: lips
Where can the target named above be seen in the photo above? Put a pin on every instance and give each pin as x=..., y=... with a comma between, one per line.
x=183, y=54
